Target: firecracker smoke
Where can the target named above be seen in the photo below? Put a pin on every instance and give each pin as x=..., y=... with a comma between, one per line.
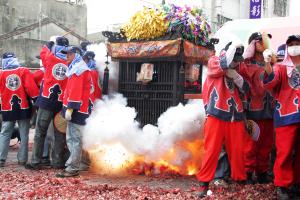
x=115, y=139
x=113, y=125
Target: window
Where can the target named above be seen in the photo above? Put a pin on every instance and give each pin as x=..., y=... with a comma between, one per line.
x=280, y=7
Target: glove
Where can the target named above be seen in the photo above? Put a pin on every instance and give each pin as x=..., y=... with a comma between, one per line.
x=237, y=78
x=50, y=45
x=232, y=73
x=68, y=114
x=267, y=55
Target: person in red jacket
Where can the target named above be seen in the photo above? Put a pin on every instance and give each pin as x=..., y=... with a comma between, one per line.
x=284, y=79
x=38, y=76
x=50, y=102
x=17, y=89
x=260, y=108
x=223, y=92
x=89, y=59
x=77, y=103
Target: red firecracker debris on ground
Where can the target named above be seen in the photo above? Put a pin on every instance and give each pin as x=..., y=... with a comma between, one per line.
x=16, y=182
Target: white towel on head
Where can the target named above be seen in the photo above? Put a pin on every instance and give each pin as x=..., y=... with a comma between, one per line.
x=250, y=51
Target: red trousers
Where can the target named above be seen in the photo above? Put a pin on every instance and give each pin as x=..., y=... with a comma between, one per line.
x=257, y=153
x=216, y=132
x=287, y=163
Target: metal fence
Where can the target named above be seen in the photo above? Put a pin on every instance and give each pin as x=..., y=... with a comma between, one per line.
x=152, y=99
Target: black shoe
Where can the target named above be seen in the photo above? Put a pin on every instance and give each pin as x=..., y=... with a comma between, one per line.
x=66, y=174
x=32, y=166
x=45, y=161
x=202, y=192
x=23, y=163
x=58, y=166
x=282, y=193
x=263, y=178
x=296, y=191
x=249, y=180
x=2, y=163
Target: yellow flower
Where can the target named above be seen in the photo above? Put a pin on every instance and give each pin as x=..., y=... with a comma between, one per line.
x=146, y=24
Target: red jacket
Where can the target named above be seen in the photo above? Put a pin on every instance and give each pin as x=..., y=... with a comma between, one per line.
x=96, y=85
x=285, y=89
x=221, y=97
x=17, y=86
x=260, y=102
x=78, y=96
x=54, y=82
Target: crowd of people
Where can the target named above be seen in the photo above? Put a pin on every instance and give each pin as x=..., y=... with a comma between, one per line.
x=242, y=85
x=67, y=84
x=249, y=84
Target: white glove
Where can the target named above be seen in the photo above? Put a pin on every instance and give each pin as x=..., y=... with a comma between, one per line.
x=237, y=78
x=68, y=114
x=267, y=55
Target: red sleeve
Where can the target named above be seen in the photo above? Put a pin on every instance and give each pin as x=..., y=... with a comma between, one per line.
x=75, y=91
x=38, y=77
x=98, y=91
x=0, y=84
x=44, y=54
x=29, y=84
x=204, y=93
x=273, y=79
x=213, y=68
x=244, y=72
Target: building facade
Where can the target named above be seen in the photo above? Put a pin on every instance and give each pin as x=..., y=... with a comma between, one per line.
x=27, y=24
x=219, y=12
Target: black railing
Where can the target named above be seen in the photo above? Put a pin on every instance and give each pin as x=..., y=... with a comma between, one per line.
x=151, y=99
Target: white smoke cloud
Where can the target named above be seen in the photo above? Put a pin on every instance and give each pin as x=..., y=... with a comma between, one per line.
x=112, y=121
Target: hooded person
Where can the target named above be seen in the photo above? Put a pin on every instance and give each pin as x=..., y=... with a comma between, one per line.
x=223, y=99
x=281, y=52
x=259, y=109
x=84, y=45
x=89, y=59
x=284, y=77
x=77, y=105
x=49, y=102
x=17, y=90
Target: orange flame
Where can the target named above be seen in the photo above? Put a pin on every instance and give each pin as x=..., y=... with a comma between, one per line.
x=115, y=159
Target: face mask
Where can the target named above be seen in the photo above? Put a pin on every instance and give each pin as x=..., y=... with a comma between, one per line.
x=294, y=50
